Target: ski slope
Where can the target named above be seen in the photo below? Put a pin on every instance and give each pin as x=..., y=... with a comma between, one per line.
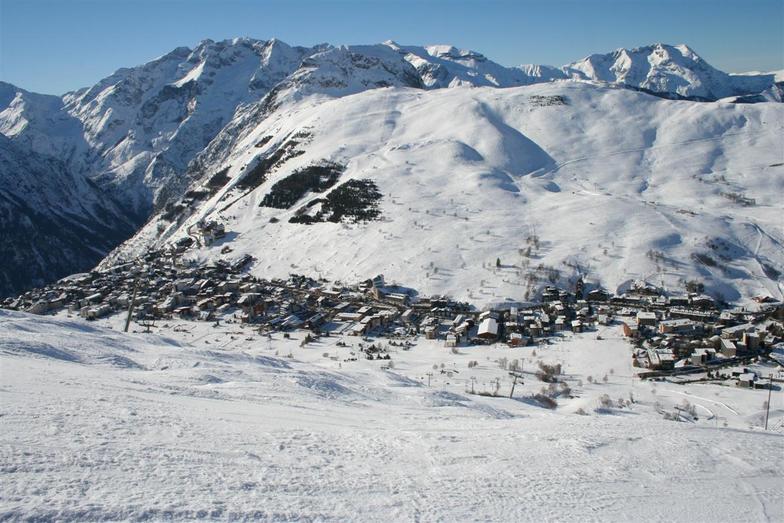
x=615, y=185
x=202, y=422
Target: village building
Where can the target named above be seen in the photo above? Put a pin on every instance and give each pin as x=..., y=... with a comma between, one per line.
x=630, y=329
x=646, y=319
x=488, y=328
x=677, y=326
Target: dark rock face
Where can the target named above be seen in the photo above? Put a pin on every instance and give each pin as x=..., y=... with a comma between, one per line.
x=52, y=222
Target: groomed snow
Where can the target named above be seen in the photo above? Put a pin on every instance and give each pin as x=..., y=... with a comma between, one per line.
x=195, y=421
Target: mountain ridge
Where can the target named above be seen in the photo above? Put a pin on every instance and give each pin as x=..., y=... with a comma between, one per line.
x=146, y=134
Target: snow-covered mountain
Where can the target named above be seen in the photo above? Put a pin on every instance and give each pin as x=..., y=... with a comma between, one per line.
x=132, y=135
x=242, y=110
x=146, y=123
x=53, y=222
x=442, y=66
x=668, y=70
x=487, y=194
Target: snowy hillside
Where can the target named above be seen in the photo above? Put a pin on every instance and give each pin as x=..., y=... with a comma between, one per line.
x=488, y=194
x=53, y=222
x=145, y=134
x=219, y=423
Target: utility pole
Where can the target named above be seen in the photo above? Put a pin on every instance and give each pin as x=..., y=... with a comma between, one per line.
x=516, y=376
x=429, y=375
x=473, y=379
x=770, y=389
x=132, y=304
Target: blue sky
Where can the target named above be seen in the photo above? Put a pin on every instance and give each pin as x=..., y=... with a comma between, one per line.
x=53, y=46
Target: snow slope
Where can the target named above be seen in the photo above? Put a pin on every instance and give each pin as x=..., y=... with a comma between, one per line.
x=97, y=425
x=616, y=185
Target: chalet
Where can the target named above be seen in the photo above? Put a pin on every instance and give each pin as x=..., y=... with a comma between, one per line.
x=388, y=316
x=646, y=319
x=223, y=309
x=535, y=329
x=560, y=323
x=94, y=312
x=550, y=294
x=488, y=314
x=210, y=231
x=692, y=314
x=558, y=308
x=702, y=356
x=728, y=318
x=330, y=293
x=183, y=312
x=630, y=329
x=516, y=340
x=488, y=328
x=752, y=340
x=660, y=359
x=451, y=340
x=39, y=307
x=291, y=322
x=348, y=316
x=166, y=305
x=736, y=332
x=249, y=299
x=678, y=301
x=396, y=298
x=463, y=328
x=598, y=295
x=577, y=326
x=702, y=301
x=676, y=326
x=342, y=307
x=747, y=380
x=205, y=304
x=728, y=348
x=512, y=326
x=240, y=264
x=94, y=298
x=430, y=332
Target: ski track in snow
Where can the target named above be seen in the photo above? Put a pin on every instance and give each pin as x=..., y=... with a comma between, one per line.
x=199, y=432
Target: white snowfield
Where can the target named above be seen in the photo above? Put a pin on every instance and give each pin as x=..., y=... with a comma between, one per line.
x=616, y=185
x=203, y=422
